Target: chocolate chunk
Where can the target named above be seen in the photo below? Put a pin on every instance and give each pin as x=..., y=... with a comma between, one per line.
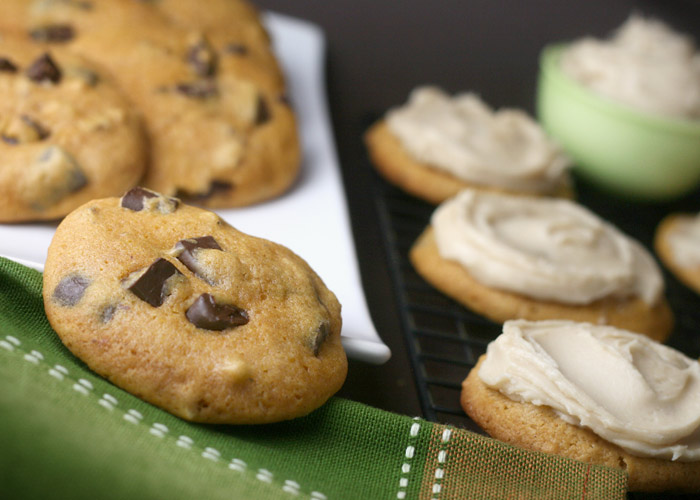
x=135, y=199
x=200, y=89
x=70, y=289
x=55, y=174
x=236, y=49
x=152, y=286
x=207, y=314
x=44, y=69
x=7, y=65
x=319, y=336
x=262, y=113
x=41, y=131
x=108, y=313
x=188, y=252
x=13, y=141
x=202, y=58
x=53, y=33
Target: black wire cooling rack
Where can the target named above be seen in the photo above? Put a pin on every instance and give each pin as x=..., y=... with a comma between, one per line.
x=444, y=339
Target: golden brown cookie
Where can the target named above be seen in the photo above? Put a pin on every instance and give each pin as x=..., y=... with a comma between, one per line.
x=686, y=272
x=539, y=428
x=67, y=133
x=421, y=180
x=499, y=305
x=221, y=130
x=177, y=307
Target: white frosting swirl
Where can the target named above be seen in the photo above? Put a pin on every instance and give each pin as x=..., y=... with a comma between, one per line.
x=628, y=389
x=645, y=64
x=464, y=137
x=548, y=249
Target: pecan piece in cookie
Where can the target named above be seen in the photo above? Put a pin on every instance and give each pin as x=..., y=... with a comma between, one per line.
x=152, y=285
x=207, y=314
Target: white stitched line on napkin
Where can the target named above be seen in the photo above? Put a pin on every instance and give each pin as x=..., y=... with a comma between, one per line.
x=157, y=429
x=442, y=456
x=406, y=466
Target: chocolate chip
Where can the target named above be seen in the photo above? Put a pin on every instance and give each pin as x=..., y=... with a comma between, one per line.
x=188, y=252
x=152, y=286
x=199, y=89
x=41, y=131
x=202, y=58
x=57, y=174
x=135, y=199
x=262, y=113
x=70, y=289
x=319, y=336
x=44, y=69
x=13, y=141
x=236, y=49
x=108, y=313
x=7, y=65
x=207, y=314
x=59, y=33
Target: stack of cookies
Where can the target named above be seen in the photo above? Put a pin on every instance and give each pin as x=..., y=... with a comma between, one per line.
x=114, y=114
x=100, y=95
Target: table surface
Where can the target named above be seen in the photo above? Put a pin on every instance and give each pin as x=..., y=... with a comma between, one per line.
x=378, y=51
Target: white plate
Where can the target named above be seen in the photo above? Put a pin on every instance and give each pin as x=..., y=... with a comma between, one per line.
x=312, y=219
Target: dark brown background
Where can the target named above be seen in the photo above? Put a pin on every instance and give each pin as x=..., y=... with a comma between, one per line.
x=379, y=50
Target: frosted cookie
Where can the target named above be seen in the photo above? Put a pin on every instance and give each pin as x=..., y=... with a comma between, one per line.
x=436, y=145
x=67, y=133
x=592, y=393
x=221, y=129
x=182, y=310
x=677, y=243
x=510, y=257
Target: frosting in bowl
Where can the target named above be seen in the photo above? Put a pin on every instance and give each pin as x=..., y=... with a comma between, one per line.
x=645, y=64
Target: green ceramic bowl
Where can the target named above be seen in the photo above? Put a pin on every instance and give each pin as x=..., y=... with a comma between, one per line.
x=631, y=153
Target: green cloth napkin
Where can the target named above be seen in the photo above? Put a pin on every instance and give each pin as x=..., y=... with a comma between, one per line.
x=67, y=433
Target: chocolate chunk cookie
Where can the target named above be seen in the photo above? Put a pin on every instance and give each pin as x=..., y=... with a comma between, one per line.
x=212, y=95
x=174, y=305
x=67, y=133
